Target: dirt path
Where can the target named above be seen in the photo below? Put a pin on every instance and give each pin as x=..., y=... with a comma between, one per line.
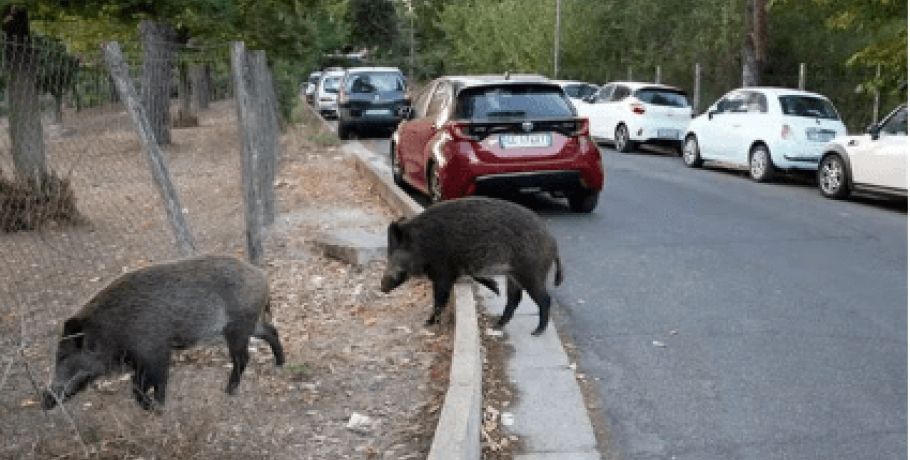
x=349, y=348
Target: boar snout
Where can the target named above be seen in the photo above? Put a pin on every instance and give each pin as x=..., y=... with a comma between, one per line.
x=391, y=279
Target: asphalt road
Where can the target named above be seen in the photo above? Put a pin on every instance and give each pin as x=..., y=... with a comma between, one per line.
x=726, y=319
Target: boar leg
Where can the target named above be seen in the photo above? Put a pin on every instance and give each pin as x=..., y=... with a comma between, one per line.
x=151, y=374
x=542, y=299
x=267, y=332
x=513, y=291
x=238, y=340
x=442, y=288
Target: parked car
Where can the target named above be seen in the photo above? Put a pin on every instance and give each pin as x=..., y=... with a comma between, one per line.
x=577, y=90
x=765, y=130
x=629, y=114
x=371, y=97
x=327, y=93
x=488, y=135
x=310, y=86
x=875, y=162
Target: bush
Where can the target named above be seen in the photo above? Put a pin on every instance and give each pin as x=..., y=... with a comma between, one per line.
x=29, y=203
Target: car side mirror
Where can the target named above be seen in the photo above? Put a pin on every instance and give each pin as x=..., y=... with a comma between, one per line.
x=711, y=113
x=873, y=130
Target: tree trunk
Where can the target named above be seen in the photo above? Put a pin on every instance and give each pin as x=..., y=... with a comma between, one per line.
x=201, y=85
x=26, y=134
x=186, y=116
x=756, y=42
x=157, y=45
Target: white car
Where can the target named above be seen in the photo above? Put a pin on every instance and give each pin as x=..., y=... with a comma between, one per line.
x=327, y=93
x=310, y=86
x=874, y=162
x=577, y=90
x=764, y=130
x=633, y=113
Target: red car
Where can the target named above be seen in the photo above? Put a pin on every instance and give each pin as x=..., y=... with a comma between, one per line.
x=496, y=136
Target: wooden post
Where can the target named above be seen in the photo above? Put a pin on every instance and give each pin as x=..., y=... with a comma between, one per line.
x=267, y=136
x=802, y=76
x=249, y=152
x=696, y=97
x=159, y=168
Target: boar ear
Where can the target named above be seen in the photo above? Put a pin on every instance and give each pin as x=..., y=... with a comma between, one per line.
x=397, y=234
x=72, y=330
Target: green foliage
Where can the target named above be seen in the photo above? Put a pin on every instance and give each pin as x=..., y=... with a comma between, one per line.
x=375, y=23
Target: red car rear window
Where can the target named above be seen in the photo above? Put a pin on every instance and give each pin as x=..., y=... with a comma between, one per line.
x=512, y=101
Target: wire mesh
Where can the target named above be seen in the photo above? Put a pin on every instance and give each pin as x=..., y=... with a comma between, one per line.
x=90, y=209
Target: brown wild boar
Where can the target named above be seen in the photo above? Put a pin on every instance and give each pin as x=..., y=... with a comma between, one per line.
x=142, y=315
x=475, y=237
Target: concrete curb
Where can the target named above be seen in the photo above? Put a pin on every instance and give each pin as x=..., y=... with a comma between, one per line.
x=457, y=434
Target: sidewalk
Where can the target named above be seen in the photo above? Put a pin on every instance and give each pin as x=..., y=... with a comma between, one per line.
x=550, y=416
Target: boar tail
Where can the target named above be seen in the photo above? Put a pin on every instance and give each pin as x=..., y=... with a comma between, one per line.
x=558, y=270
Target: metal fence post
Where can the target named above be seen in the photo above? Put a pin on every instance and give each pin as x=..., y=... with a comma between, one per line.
x=657, y=75
x=249, y=152
x=696, y=97
x=875, y=101
x=159, y=168
x=802, y=76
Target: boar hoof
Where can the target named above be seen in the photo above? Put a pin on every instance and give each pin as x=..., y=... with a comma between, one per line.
x=538, y=331
x=433, y=320
x=231, y=387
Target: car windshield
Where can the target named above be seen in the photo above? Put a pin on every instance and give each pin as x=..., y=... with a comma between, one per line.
x=579, y=91
x=374, y=82
x=897, y=124
x=330, y=84
x=663, y=97
x=512, y=101
x=808, y=106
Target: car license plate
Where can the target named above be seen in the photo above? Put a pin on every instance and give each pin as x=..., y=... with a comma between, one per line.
x=668, y=134
x=819, y=135
x=521, y=141
x=377, y=112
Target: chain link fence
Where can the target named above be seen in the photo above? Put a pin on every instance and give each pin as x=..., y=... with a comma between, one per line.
x=81, y=201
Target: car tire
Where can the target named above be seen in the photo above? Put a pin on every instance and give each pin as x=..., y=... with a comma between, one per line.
x=397, y=169
x=434, y=185
x=344, y=130
x=621, y=139
x=832, y=178
x=691, y=155
x=584, y=202
x=761, y=169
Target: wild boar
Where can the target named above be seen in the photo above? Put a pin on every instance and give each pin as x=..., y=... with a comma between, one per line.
x=142, y=315
x=475, y=237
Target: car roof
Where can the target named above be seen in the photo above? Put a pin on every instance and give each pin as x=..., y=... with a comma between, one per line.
x=572, y=82
x=636, y=85
x=373, y=69
x=777, y=91
x=333, y=73
x=461, y=82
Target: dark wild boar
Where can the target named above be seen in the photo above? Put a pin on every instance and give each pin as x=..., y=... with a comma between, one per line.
x=476, y=237
x=142, y=315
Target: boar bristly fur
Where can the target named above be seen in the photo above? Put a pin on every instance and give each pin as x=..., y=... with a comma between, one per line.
x=476, y=237
x=142, y=315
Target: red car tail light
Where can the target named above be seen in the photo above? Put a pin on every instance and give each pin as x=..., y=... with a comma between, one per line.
x=637, y=109
x=459, y=132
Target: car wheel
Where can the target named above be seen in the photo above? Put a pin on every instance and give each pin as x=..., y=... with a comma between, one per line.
x=584, y=202
x=760, y=167
x=397, y=169
x=832, y=178
x=622, y=142
x=691, y=155
x=434, y=184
